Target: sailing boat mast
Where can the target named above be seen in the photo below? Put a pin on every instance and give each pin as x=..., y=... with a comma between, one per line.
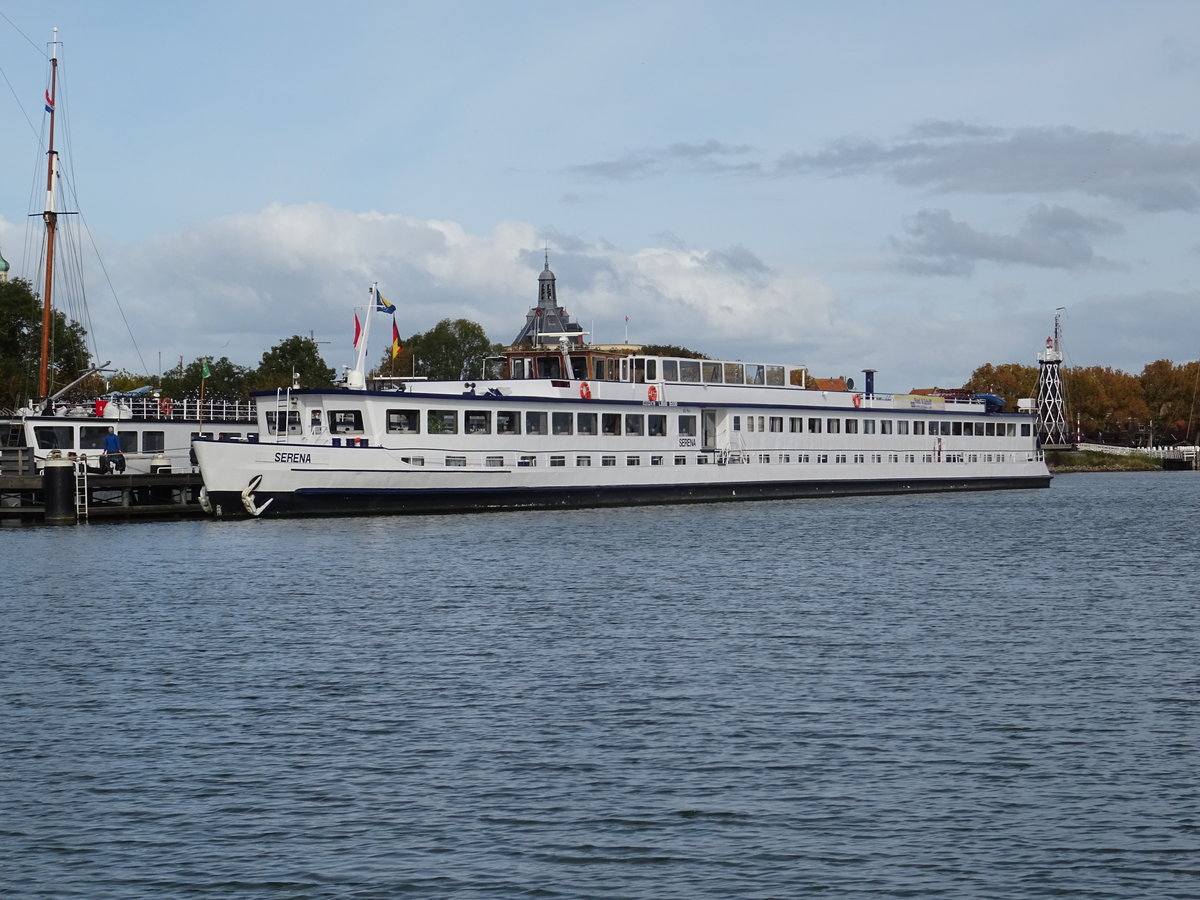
x=50, y=217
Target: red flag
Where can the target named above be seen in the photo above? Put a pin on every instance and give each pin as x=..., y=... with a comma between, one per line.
x=396, y=348
x=357, y=330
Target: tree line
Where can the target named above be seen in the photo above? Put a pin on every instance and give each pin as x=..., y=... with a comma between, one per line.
x=1158, y=405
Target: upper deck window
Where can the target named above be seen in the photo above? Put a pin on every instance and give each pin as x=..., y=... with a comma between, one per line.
x=733, y=373
x=712, y=372
x=754, y=374
x=775, y=376
x=670, y=370
x=689, y=371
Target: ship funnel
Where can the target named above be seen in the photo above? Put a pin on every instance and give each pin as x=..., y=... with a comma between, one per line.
x=869, y=383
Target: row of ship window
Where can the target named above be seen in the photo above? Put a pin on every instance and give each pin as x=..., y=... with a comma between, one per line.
x=509, y=422
x=555, y=460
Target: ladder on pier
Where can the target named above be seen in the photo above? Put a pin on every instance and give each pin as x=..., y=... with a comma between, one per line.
x=81, y=493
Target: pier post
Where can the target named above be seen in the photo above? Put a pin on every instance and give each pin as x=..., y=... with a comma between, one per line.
x=58, y=491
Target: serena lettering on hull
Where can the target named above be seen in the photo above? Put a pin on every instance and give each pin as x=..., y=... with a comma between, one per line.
x=562, y=422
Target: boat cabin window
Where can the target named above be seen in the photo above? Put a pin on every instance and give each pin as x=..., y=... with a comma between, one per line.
x=562, y=422
x=535, y=423
x=403, y=421
x=274, y=419
x=712, y=372
x=657, y=425
x=442, y=421
x=479, y=421
x=579, y=367
x=852, y=426
x=687, y=426
x=775, y=376
x=885, y=426
x=612, y=370
x=733, y=373
x=57, y=437
x=517, y=367
x=635, y=424
x=345, y=421
x=598, y=369
x=670, y=370
x=549, y=367
x=610, y=423
x=154, y=441
x=754, y=374
x=91, y=437
x=814, y=426
x=868, y=426
x=918, y=427
x=508, y=421
x=737, y=423
x=1025, y=432
x=833, y=426
x=585, y=423
x=795, y=424
x=625, y=369
x=689, y=371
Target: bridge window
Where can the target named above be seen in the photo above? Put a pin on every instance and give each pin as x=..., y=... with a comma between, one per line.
x=345, y=421
x=442, y=421
x=403, y=421
x=274, y=418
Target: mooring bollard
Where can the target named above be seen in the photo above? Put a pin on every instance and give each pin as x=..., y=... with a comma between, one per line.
x=58, y=491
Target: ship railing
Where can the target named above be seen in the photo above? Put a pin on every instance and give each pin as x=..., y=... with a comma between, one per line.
x=184, y=409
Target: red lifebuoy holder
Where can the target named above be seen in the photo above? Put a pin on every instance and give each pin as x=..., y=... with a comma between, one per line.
x=652, y=393
x=166, y=405
x=857, y=400
x=585, y=390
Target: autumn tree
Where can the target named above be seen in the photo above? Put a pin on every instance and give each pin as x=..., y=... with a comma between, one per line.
x=1012, y=381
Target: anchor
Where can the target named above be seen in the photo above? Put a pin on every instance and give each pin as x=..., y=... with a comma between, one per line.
x=248, y=497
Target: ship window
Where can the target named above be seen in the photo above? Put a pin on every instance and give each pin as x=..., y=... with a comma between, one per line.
x=946, y=429
x=494, y=462
x=612, y=370
x=885, y=426
x=657, y=426
x=403, y=421
x=517, y=366
x=868, y=426
x=749, y=423
x=737, y=423
x=795, y=424
x=918, y=428
x=558, y=461
x=754, y=374
x=585, y=423
x=712, y=372
x=479, y=421
x=154, y=441
x=610, y=423
x=670, y=370
x=785, y=457
x=764, y=458
x=625, y=369
x=1025, y=432
x=562, y=422
x=635, y=424
x=858, y=458
x=991, y=429
x=528, y=461
x=608, y=460
x=775, y=376
x=733, y=373
x=852, y=426
x=221, y=436
x=833, y=426
x=652, y=370
x=656, y=460
x=456, y=461
x=687, y=426
x=681, y=460
x=293, y=421
x=689, y=371
x=979, y=430
x=583, y=460
x=762, y=423
x=633, y=460
x=443, y=421
x=814, y=426
x=956, y=428
x=413, y=460
x=535, y=423
x=579, y=367
x=508, y=421
x=839, y=458
x=91, y=437
x=345, y=421
x=598, y=369
x=822, y=457
x=702, y=460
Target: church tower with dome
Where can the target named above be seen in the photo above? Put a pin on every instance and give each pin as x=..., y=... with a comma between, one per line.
x=547, y=318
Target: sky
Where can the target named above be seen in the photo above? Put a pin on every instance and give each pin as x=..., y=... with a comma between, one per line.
x=911, y=187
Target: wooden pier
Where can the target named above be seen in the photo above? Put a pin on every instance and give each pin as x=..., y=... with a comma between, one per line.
x=174, y=495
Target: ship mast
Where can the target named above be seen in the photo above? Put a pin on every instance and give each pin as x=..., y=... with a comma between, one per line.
x=50, y=217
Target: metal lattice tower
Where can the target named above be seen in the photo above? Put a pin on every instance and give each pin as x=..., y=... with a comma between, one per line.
x=1051, y=402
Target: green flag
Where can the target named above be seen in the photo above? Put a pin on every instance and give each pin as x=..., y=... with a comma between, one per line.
x=205, y=373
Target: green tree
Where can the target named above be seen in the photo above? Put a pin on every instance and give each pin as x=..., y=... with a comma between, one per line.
x=298, y=355
x=672, y=350
x=226, y=381
x=450, y=351
x=21, y=345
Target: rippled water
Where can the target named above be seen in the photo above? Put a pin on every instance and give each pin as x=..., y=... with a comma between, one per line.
x=987, y=695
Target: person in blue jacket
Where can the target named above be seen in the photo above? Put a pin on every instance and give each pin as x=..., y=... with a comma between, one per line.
x=112, y=453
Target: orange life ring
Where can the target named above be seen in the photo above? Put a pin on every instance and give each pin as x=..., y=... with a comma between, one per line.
x=857, y=400
x=652, y=393
x=166, y=405
x=585, y=390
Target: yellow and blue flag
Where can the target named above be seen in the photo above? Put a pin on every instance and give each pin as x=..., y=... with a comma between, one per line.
x=382, y=305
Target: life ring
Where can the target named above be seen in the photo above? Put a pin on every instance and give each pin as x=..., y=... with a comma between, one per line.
x=857, y=400
x=585, y=390
x=166, y=405
x=652, y=393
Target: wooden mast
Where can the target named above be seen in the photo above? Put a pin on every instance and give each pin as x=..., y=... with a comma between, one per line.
x=51, y=219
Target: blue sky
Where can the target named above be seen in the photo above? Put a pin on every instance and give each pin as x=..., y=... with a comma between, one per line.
x=909, y=187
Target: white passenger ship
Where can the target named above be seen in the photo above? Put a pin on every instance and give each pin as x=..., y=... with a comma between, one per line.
x=572, y=424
